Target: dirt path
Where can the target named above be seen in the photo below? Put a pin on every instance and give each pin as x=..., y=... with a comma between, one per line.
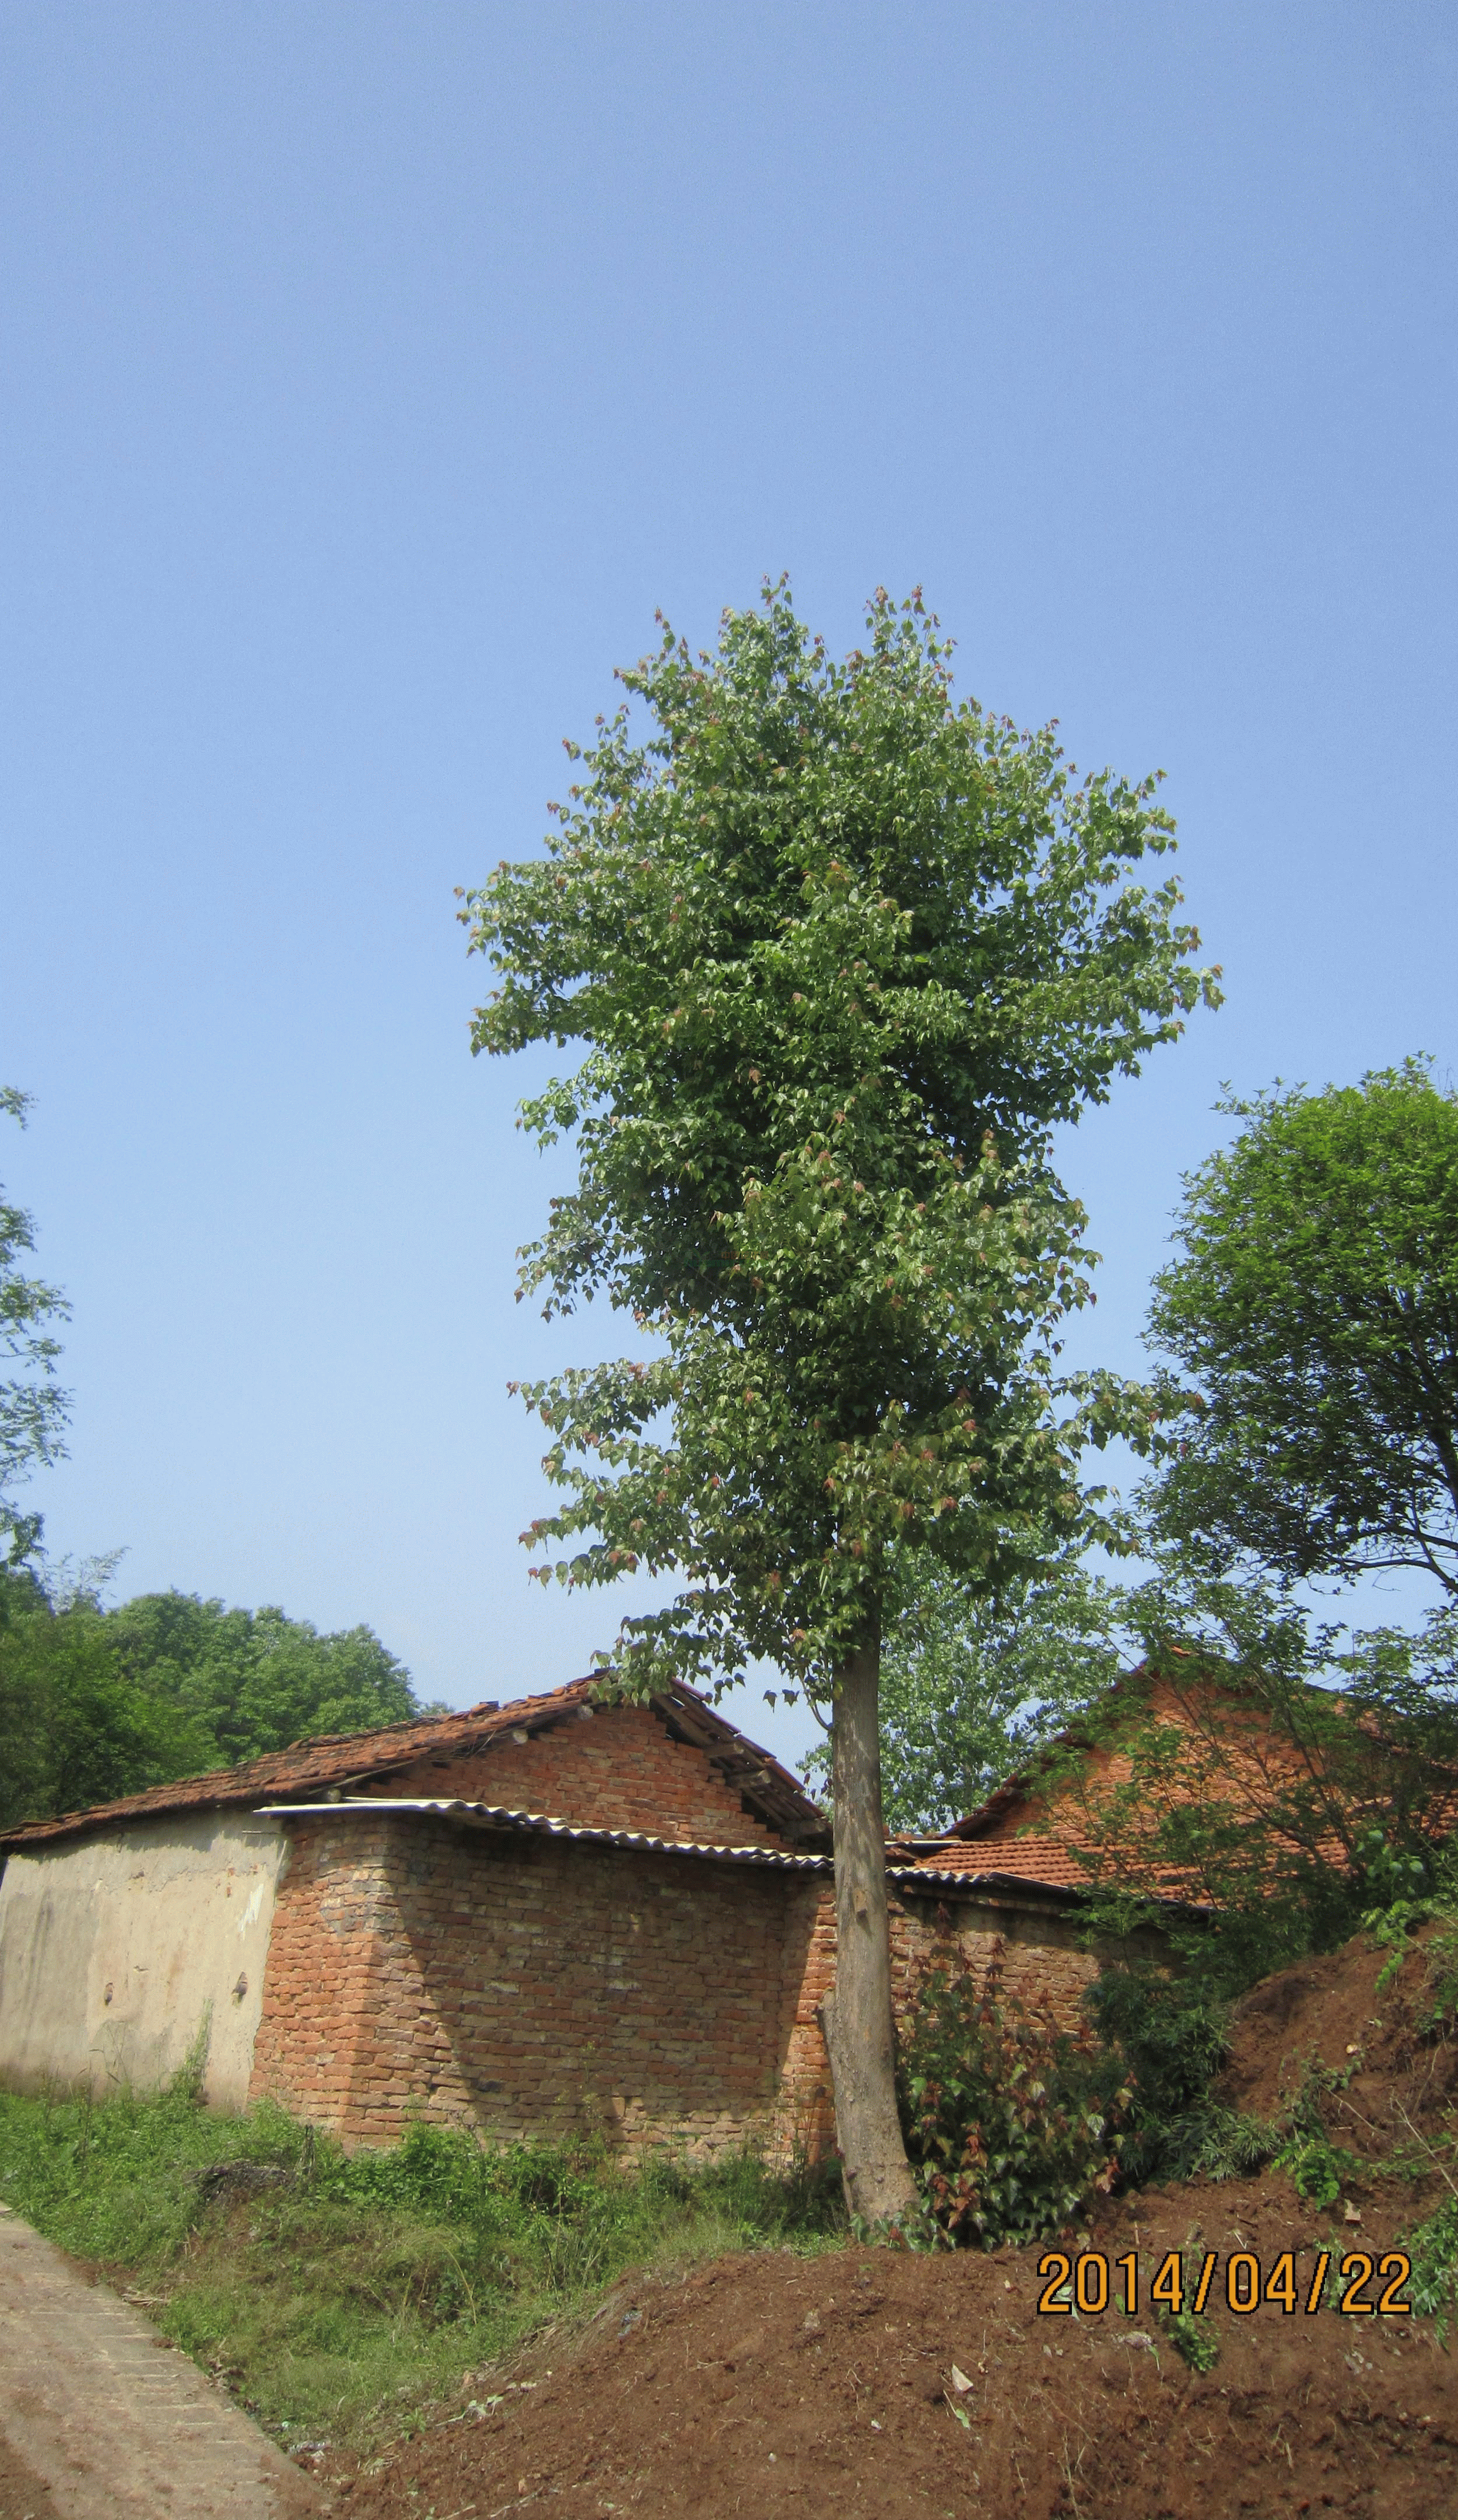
x=101, y=2420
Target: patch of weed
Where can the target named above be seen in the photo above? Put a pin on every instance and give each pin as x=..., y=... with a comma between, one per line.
x=1320, y=2170
x=1193, y=2338
x=1433, y=2249
x=342, y=2292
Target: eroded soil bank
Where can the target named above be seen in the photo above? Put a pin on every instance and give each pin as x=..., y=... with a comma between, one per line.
x=770, y=2385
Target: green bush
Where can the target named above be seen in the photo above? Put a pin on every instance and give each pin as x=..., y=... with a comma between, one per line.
x=1165, y=2031
x=1421, y=1895
x=1433, y=2249
x=1193, y=2338
x=1012, y=2124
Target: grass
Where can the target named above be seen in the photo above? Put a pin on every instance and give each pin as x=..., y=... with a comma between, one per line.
x=343, y=2298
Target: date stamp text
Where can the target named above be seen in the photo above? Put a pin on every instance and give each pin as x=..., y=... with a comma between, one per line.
x=1358, y=2285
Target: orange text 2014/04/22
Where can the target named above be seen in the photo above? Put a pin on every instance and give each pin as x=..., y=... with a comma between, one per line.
x=1356, y=2284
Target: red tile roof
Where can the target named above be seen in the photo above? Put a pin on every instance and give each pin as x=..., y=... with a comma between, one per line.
x=1035, y=1823
x=338, y=1759
x=1032, y=1857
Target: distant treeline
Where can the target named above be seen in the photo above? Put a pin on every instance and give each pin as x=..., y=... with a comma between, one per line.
x=95, y=1703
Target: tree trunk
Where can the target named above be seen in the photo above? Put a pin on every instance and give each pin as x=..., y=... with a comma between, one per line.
x=857, y=2014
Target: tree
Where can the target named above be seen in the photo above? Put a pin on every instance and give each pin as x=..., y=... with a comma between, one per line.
x=32, y=1409
x=1315, y=1305
x=257, y=1680
x=75, y=1730
x=973, y=1683
x=96, y=1703
x=839, y=951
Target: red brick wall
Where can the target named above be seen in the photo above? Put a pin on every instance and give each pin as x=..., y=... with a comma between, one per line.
x=613, y=1766
x=525, y=1987
x=531, y=1987
x=1042, y=1966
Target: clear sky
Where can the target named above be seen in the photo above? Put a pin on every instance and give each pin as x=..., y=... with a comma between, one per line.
x=371, y=372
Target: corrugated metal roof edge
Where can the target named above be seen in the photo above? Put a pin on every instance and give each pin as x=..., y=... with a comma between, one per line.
x=909, y=1876
x=498, y=1815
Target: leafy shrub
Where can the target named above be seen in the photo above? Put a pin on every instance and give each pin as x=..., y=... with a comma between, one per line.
x=1012, y=2124
x=1427, y=1904
x=1320, y=2170
x=1193, y=2338
x=1433, y=2249
x=1166, y=2030
x=1420, y=1896
x=1169, y=2025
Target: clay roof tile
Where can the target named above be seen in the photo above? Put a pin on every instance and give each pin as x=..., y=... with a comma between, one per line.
x=337, y=1759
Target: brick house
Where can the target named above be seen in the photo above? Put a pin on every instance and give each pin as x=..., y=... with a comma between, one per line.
x=528, y=1918
x=1213, y=1743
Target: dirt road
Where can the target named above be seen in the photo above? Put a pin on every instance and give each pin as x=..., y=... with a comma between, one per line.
x=101, y=2420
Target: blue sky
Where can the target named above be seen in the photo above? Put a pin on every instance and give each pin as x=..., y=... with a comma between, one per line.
x=369, y=376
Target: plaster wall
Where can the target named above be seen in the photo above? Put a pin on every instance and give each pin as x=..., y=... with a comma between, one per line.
x=113, y=1949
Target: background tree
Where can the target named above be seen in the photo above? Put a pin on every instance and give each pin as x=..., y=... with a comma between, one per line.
x=973, y=1683
x=1315, y=1307
x=75, y=1730
x=32, y=1409
x=840, y=950
x=257, y=1680
x=96, y=1703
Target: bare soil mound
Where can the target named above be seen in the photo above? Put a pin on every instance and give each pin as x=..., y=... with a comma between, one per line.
x=1387, y=2081
x=868, y=2381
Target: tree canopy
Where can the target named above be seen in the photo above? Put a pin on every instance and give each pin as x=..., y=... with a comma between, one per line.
x=32, y=1408
x=1313, y=1307
x=973, y=1683
x=258, y=1679
x=75, y=1730
x=838, y=950
x=96, y=1703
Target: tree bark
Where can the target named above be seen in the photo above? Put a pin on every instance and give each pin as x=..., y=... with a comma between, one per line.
x=857, y=2014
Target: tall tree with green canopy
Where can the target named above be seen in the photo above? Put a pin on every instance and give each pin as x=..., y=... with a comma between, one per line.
x=1313, y=1306
x=32, y=1407
x=840, y=950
